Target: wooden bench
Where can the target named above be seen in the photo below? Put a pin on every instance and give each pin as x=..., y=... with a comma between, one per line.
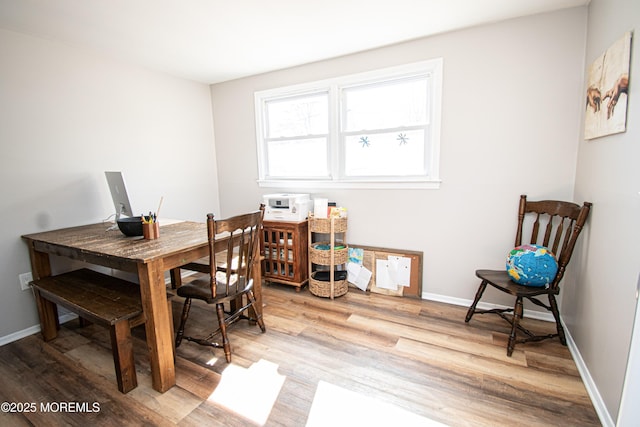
x=103, y=300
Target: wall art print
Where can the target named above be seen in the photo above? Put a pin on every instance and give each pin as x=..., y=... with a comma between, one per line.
x=607, y=90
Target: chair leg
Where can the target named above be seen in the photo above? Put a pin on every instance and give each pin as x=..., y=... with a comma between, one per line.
x=472, y=308
x=259, y=319
x=183, y=320
x=515, y=321
x=556, y=314
x=223, y=332
x=170, y=309
x=176, y=278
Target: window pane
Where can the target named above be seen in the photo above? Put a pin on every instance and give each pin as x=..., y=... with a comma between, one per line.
x=386, y=105
x=298, y=158
x=378, y=129
x=298, y=116
x=385, y=154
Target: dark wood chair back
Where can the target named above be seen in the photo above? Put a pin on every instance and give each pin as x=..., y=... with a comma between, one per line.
x=242, y=248
x=553, y=224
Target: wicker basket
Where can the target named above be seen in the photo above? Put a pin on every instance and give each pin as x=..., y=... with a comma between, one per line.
x=323, y=225
x=323, y=256
x=321, y=288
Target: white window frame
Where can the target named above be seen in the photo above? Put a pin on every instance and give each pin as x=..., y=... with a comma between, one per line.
x=432, y=67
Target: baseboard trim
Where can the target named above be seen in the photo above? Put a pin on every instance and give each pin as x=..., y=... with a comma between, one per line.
x=590, y=385
x=32, y=330
x=532, y=314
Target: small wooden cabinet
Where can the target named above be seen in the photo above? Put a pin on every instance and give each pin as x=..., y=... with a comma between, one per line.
x=284, y=250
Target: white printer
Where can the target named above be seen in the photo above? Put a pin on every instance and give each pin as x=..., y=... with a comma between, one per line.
x=287, y=207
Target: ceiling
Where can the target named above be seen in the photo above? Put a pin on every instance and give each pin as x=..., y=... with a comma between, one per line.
x=212, y=41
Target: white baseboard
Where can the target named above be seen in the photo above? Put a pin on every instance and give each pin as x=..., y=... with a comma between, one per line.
x=32, y=330
x=532, y=314
x=590, y=385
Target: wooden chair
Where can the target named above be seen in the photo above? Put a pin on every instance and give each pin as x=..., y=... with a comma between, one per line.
x=555, y=225
x=230, y=285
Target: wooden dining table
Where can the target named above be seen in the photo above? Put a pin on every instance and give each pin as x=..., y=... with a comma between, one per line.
x=179, y=243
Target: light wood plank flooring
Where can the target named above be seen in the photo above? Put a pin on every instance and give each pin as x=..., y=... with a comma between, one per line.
x=321, y=362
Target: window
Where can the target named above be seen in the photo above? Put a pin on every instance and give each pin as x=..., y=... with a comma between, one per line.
x=374, y=130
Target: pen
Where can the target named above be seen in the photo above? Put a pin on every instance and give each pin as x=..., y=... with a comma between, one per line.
x=159, y=205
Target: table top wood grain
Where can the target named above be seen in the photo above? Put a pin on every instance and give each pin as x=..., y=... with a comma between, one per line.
x=96, y=243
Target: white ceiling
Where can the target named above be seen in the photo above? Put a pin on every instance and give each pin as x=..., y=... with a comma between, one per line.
x=217, y=40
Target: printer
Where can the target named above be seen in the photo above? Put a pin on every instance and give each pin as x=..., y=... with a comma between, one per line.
x=287, y=207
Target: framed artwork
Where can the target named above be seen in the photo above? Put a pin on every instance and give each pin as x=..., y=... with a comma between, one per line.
x=607, y=91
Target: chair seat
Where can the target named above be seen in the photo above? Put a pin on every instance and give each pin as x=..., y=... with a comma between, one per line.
x=201, y=289
x=500, y=279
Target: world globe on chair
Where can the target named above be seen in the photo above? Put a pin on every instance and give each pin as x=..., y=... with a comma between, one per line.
x=532, y=265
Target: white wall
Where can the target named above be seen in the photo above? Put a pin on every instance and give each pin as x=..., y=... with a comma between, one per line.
x=66, y=116
x=511, y=113
x=601, y=313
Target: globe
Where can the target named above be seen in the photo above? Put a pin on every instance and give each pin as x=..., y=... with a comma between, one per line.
x=532, y=265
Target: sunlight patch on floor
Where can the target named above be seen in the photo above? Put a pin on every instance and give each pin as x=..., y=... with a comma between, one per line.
x=334, y=406
x=212, y=361
x=249, y=392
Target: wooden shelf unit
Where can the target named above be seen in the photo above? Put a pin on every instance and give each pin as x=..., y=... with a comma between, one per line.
x=330, y=232
x=284, y=250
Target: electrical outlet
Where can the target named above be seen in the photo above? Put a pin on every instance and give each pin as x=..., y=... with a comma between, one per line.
x=24, y=279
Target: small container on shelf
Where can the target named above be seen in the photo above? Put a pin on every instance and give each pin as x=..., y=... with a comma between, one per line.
x=323, y=225
x=320, y=253
x=320, y=283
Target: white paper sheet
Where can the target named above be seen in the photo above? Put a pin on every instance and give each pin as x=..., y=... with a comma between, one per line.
x=393, y=272
x=383, y=275
x=400, y=270
x=359, y=275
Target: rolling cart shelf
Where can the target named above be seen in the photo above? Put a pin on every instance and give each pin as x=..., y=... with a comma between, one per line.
x=328, y=258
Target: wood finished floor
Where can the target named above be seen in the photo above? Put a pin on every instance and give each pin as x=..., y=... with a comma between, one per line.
x=418, y=356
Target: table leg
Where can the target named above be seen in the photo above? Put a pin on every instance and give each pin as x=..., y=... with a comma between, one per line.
x=48, y=314
x=47, y=311
x=40, y=263
x=158, y=325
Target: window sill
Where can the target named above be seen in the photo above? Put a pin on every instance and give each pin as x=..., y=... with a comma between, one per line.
x=371, y=185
